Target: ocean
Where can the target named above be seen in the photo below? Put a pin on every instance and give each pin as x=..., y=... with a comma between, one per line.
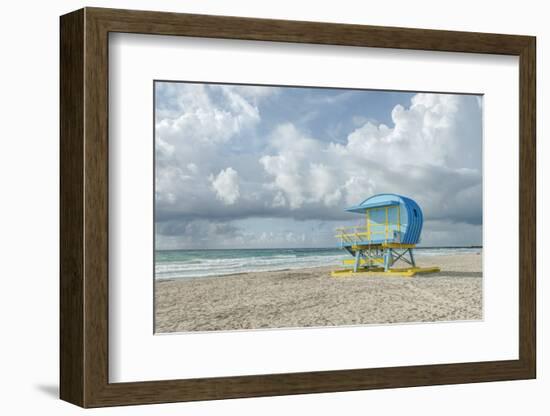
x=186, y=264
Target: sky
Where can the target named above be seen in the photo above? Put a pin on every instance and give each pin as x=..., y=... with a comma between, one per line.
x=240, y=166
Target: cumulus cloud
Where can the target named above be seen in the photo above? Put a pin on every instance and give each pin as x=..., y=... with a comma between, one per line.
x=213, y=144
x=226, y=186
x=301, y=169
x=432, y=153
x=203, y=114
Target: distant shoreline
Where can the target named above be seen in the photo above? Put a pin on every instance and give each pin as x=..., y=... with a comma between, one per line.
x=306, y=248
x=193, y=264
x=290, y=269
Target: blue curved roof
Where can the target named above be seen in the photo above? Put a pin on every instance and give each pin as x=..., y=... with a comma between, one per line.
x=411, y=218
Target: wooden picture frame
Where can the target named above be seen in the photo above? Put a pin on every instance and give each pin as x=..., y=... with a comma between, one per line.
x=84, y=207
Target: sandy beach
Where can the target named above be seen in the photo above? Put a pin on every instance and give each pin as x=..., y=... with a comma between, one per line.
x=311, y=298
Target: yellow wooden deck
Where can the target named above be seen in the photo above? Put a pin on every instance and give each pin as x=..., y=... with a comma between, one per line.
x=376, y=271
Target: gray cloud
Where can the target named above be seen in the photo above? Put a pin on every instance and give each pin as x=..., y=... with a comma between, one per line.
x=207, y=178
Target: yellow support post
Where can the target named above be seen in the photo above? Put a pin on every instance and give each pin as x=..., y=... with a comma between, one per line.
x=368, y=226
x=399, y=220
x=386, y=223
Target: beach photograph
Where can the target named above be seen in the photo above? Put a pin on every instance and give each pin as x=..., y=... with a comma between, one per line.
x=280, y=207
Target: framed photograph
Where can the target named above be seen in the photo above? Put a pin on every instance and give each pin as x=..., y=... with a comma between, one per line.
x=254, y=207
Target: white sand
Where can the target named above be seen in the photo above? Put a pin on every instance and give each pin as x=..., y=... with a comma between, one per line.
x=310, y=297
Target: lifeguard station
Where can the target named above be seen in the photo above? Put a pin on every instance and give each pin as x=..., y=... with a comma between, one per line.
x=393, y=224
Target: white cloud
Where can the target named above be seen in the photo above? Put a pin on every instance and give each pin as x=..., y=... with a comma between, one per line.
x=425, y=133
x=432, y=152
x=279, y=200
x=251, y=93
x=195, y=116
x=226, y=186
x=194, y=129
x=300, y=169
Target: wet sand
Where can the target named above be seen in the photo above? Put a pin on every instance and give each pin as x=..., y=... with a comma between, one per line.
x=312, y=298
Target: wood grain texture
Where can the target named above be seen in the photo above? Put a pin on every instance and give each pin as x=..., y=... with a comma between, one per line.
x=84, y=207
x=226, y=27
x=527, y=207
x=96, y=208
x=71, y=213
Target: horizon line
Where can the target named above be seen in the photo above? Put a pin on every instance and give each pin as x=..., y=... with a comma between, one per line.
x=302, y=248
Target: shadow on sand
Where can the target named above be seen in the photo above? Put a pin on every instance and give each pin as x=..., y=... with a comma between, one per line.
x=454, y=274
